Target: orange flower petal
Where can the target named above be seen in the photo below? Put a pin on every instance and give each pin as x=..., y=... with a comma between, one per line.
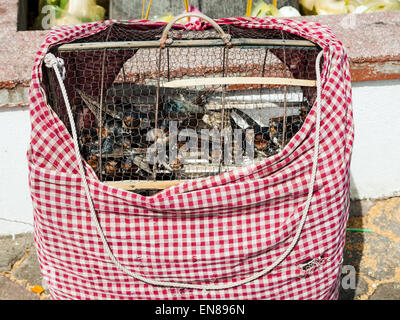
x=37, y=289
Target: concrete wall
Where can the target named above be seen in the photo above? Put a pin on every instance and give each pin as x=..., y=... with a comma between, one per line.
x=375, y=166
x=15, y=201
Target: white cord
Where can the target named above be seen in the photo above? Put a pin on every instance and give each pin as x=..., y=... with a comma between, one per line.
x=52, y=62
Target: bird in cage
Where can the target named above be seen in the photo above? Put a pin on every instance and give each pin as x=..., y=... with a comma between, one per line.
x=293, y=124
x=173, y=106
x=181, y=106
x=127, y=166
x=115, y=128
x=129, y=119
x=88, y=135
x=260, y=143
x=94, y=162
x=304, y=110
x=140, y=162
x=126, y=142
x=261, y=137
x=176, y=165
x=107, y=146
x=111, y=168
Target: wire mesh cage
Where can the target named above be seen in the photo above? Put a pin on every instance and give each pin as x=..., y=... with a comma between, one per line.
x=152, y=113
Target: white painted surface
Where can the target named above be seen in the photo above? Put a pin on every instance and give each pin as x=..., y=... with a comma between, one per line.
x=375, y=169
x=14, y=97
x=15, y=201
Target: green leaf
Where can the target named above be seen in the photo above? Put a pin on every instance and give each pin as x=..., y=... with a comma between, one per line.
x=63, y=3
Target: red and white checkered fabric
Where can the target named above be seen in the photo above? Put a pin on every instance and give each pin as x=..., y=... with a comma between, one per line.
x=213, y=230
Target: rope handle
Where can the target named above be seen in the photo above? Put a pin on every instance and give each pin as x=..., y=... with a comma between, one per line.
x=224, y=36
x=52, y=62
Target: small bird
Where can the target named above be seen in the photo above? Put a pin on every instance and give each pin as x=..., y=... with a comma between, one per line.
x=107, y=146
x=94, y=162
x=163, y=125
x=304, y=110
x=159, y=137
x=115, y=128
x=201, y=97
x=213, y=119
x=181, y=106
x=127, y=166
x=276, y=131
x=140, y=162
x=91, y=149
x=111, y=167
x=126, y=142
x=176, y=165
x=104, y=132
x=131, y=120
x=260, y=143
x=88, y=135
x=293, y=124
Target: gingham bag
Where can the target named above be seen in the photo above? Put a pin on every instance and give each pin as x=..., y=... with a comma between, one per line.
x=274, y=230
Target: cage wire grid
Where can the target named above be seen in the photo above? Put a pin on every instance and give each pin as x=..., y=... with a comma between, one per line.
x=132, y=126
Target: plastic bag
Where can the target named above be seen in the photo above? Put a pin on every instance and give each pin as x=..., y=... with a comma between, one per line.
x=82, y=10
x=381, y=5
x=262, y=10
x=321, y=7
x=169, y=16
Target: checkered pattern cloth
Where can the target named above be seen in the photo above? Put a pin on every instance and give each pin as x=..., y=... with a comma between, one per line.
x=215, y=230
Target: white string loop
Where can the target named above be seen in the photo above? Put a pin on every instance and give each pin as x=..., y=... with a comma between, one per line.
x=51, y=61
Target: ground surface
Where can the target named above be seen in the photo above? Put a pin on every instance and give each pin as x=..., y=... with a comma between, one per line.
x=373, y=255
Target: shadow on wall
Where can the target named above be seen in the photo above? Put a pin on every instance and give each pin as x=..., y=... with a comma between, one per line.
x=354, y=246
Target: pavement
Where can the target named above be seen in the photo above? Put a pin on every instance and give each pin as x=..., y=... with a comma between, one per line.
x=20, y=274
x=371, y=267
x=375, y=254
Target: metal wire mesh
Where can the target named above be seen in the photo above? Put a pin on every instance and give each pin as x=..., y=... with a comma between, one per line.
x=133, y=126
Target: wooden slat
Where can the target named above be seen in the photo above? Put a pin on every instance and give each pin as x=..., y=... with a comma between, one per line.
x=185, y=43
x=182, y=83
x=132, y=185
x=249, y=106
